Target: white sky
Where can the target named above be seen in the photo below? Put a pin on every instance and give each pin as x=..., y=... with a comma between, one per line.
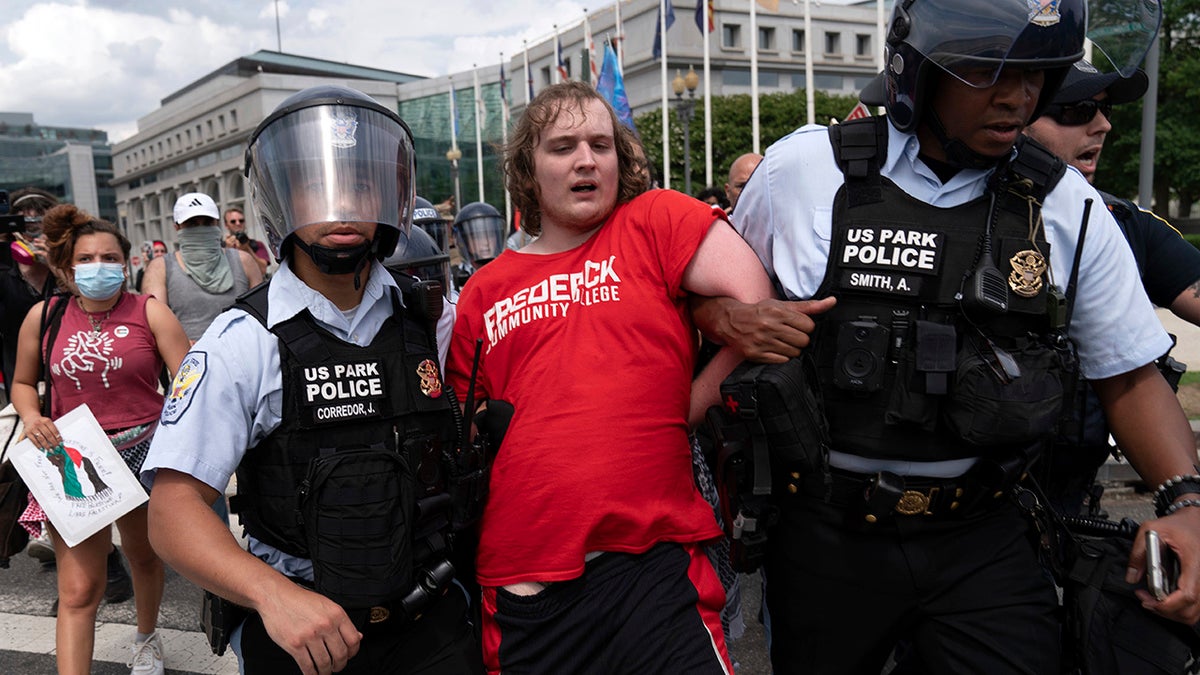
x=104, y=63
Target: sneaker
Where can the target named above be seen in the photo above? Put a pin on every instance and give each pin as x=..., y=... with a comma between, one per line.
x=42, y=548
x=147, y=657
x=120, y=586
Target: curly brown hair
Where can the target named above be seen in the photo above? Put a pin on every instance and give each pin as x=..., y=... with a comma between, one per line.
x=542, y=112
x=64, y=224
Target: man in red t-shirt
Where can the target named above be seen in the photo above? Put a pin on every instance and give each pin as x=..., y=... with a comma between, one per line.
x=590, y=550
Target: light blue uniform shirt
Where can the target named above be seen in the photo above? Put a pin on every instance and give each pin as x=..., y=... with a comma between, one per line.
x=785, y=212
x=232, y=396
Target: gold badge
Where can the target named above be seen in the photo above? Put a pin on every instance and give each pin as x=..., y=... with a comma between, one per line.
x=379, y=614
x=1027, y=269
x=431, y=381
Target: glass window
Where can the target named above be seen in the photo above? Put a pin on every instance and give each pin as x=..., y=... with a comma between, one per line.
x=862, y=45
x=797, y=40
x=736, y=77
x=833, y=43
x=766, y=38
x=731, y=36
x=827, y=82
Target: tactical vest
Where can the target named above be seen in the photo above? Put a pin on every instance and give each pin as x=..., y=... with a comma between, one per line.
x=925, y=358
x=359, y=447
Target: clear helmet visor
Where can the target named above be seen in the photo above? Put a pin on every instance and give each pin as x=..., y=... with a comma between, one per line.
x=1123, y=31
x=974, y=42
x=480, y=239
x=332, y=163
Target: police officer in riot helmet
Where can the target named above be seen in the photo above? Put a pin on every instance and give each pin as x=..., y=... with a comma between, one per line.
x=327, y=387
x=427, y=218
x=424, y=260
x=479, y=231
x=949, y=243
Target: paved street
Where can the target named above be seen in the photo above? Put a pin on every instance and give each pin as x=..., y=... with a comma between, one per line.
x=27, y=592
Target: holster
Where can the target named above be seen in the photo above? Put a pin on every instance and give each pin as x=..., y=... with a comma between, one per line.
x=218, y=619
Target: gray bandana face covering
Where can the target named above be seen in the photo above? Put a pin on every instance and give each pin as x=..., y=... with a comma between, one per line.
x=203, y=258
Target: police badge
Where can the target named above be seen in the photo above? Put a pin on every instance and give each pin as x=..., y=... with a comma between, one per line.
x=1044, y=12
x=343, y=126
x=1027, y=269
x=431, y=382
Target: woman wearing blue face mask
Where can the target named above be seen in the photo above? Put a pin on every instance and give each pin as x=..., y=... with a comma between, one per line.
x=108, y=352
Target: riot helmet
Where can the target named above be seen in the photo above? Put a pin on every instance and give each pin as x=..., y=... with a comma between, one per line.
x=479, y=231
x=423, y=259
x=973, y=40
x=427, y=218
x=332, y=154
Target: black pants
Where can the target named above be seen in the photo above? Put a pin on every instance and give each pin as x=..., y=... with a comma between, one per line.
x=657, y=612
x=441, y=642
x=969, y=593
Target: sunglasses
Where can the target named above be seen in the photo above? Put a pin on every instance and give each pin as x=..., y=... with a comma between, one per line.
x=1079, y=114
x=237, y=220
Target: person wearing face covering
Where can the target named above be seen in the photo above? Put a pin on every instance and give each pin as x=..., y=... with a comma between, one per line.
x=201, y=279
x=107, y=351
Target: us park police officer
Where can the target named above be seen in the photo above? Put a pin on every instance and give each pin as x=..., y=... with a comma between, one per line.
x=969, y=268
x=322, y=390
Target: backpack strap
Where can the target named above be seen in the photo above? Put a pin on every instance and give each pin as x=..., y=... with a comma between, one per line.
x=51, y=322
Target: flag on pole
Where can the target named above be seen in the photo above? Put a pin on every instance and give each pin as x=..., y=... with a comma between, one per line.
x=658, y=38
x=503, y=89
x=563, y=74
x=611, y=85
x=860, y=111
x=590, y=46
x=704, y=8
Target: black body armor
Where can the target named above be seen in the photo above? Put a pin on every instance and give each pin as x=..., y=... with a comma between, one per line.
x=946, y=341
x=354, y=476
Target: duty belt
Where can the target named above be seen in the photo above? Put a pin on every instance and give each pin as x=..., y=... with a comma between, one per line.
x=889, y=495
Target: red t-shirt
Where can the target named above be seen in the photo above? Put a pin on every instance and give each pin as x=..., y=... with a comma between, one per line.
x=594, y=348
x=115, y=371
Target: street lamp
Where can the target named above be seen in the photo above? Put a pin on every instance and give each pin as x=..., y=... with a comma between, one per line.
x=685, y=108
x=454, y=154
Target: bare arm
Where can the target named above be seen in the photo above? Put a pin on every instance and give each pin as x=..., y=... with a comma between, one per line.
x=189, y=536
x=168, y=333
x=253, y=266
x=1186, y=305
x=768, y=331
x=23, y=388
x=1154, y=434
x=726, y=266
x=154, y=281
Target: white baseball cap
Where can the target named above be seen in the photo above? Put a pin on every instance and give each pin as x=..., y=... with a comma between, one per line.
x=195, y=204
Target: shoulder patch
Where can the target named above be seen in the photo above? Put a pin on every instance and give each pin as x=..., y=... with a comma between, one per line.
x=184, y=386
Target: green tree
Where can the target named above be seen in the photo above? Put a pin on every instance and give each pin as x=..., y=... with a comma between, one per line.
x=779, y=114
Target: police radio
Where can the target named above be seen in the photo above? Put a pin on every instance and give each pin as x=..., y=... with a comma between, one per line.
x=986, y=289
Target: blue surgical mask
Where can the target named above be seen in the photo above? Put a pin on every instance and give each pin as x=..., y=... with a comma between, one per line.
x=99, y=281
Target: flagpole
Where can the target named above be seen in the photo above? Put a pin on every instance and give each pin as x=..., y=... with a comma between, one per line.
x=528, y=75
x=504, y=117
x=478, y=129
x=754, y=76
x=662, y=26
x=620, y=37
x=809, y=98
x=591, y=50
x=454, y=153
x=557, y=58
x=708, y=168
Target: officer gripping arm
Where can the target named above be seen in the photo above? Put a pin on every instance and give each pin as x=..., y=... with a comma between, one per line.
x=325, y=372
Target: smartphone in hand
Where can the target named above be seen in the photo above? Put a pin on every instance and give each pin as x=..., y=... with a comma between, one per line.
x=1162, y=567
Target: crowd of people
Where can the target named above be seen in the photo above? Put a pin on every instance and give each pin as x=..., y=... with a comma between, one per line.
x=502, y=475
